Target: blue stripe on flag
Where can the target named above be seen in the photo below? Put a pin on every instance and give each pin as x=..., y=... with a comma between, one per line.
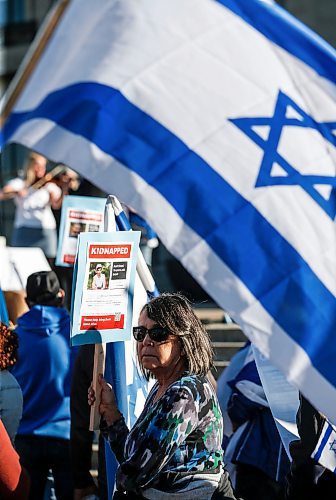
x=326, y=436
x=269, y=266
x=283, y=29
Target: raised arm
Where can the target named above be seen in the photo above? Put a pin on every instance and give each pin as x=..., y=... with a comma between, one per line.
x=13, y=188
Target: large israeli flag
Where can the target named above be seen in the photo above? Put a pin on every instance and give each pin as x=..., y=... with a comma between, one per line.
x=216, y=121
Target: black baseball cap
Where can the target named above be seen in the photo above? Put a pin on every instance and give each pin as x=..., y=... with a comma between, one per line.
x=42, y=287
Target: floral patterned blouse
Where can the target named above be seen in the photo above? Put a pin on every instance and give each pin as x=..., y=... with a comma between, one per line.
x=175, y=437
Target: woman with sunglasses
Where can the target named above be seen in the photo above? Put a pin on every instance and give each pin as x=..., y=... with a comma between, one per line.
x=174, y=449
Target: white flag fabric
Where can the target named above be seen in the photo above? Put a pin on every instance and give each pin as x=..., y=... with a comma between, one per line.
x=216, y=121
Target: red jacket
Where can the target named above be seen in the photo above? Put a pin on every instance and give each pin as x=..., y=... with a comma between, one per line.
x=14, y=481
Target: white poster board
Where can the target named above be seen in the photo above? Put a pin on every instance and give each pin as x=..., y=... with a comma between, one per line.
x=103, y=287
x=79, y=214
x=17, y=263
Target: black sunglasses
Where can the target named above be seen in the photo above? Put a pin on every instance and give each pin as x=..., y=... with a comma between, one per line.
x=158, y=333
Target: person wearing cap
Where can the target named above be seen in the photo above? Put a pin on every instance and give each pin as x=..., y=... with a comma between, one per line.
x=99, y=279
x=43, y=371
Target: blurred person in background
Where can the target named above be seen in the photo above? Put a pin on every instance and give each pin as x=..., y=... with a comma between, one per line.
x=256, y=448
x=68, y=181
x=34, y=223
x=14, y=480
x=10, y=391
x=44, y=371
x=81, y=438
x=308, y=479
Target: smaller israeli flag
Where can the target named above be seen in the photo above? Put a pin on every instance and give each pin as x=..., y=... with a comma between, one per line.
x=325, y=451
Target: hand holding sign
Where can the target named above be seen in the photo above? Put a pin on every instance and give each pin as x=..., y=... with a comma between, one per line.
x=108, y=408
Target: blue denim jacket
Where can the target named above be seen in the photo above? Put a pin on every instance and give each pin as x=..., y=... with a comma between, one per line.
x=10, y=402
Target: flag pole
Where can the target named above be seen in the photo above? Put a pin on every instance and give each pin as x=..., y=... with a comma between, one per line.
x=100, y=348
x=32, y=57
x=142, y=268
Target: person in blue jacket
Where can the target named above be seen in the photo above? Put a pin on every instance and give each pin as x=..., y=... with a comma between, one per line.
x=260, y=457
x=43, y=371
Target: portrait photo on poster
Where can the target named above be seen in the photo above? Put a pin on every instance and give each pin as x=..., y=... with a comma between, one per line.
x=76, y=228
x=99, y=275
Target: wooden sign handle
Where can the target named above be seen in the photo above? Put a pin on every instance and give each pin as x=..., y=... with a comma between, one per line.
x=98, y=367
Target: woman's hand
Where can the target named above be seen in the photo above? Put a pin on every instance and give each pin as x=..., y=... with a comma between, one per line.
x=22, y=193
x=108, y=405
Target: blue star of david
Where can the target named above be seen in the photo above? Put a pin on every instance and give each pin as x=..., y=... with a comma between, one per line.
x=277, y=122
x=332, y=445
